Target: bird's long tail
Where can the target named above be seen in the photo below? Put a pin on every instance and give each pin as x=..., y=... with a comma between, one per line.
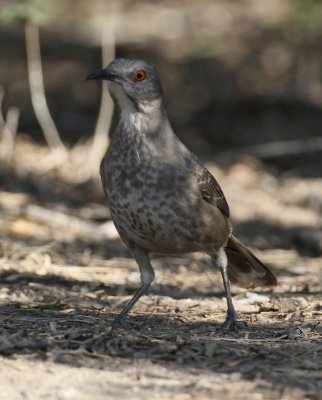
x=244, y=268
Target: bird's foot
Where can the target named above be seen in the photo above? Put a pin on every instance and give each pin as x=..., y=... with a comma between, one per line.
x=233, y=325
x=120, y=322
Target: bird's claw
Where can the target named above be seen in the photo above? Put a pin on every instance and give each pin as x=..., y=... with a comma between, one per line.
x=119, y=322
x=233, y=325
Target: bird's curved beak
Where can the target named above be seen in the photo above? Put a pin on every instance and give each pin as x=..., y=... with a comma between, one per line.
x=102, y=74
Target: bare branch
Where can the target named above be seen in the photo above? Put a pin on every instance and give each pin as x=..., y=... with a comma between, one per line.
x=276, y=149
x=101, y=139
x=37, y=89
x=9, y=133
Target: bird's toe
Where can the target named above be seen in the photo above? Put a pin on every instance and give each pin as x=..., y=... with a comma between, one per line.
x=233, y=325
x=119, y=322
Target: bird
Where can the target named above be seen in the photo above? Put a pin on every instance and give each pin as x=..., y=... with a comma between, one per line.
x=162, y=199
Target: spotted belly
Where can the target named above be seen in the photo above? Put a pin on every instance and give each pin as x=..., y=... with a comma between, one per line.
x=164, y=223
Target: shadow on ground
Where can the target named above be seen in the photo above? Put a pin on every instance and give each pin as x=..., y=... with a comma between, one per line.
x=280, y=353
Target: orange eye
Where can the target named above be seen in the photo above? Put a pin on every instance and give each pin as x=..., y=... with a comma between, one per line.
x=139, y=75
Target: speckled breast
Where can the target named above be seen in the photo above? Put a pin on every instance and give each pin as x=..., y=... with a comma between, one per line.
x=152, y=211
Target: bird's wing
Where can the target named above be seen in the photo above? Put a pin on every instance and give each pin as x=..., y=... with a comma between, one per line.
x=211, y=191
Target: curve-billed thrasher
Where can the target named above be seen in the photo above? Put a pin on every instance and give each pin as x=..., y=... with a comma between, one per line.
x=162, y=199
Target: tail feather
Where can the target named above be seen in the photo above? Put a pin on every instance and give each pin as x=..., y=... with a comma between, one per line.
x=244, y=268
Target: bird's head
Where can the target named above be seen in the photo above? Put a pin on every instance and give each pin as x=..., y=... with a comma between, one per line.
x=134, y=85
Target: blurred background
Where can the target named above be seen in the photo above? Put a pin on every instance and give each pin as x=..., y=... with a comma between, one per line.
x=236, y=73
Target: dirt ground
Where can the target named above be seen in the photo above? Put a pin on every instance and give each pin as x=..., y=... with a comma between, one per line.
x=64, y=274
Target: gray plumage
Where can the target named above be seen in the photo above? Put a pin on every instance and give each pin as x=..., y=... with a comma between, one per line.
x=161, y=198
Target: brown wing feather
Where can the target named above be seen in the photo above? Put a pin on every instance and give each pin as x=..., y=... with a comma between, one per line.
x=211, y=191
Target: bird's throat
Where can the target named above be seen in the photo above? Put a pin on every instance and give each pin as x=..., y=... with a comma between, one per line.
x=145, y=118
x=142, y=116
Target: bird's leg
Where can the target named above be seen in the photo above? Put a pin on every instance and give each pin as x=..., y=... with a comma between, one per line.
x=147, y=275
x=231, y=322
